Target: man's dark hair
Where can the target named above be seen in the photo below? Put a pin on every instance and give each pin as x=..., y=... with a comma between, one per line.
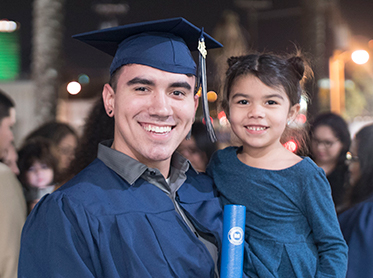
x=5, y=104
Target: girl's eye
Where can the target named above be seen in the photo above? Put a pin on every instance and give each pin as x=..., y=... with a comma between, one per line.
x=271, y=102
x=243, y=101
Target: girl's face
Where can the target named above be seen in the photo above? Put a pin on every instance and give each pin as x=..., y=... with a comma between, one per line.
x=39, y=175
x=354, y=164
x=258, y=114
x=325, y=146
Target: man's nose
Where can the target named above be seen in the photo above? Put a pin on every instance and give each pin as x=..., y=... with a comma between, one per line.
x=160, y=104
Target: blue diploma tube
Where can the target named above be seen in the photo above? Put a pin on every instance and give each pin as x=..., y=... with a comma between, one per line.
x=233, y=241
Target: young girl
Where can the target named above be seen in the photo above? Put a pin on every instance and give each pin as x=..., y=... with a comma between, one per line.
x=37, y=166
x=291, y=225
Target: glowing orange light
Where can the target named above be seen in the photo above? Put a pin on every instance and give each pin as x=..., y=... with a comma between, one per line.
x=199, y=93
x=291, y=145
x=212, y=96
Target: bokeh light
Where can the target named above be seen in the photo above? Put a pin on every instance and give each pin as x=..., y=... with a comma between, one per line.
x=360, y=57
x=74, y=87
x=212, y=96
x=291, y=145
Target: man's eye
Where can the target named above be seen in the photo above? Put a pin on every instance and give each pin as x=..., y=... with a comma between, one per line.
x=178, y=93
x=141, y=89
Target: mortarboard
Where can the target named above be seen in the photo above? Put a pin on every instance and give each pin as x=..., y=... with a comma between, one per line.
x=162, y=44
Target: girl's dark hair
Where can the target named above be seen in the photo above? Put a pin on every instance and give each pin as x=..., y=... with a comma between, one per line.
x=363, y=188
x=280, y=72
x=35, y=149
x=340, y=130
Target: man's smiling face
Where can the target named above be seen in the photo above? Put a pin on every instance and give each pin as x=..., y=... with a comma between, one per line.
x=153, y=111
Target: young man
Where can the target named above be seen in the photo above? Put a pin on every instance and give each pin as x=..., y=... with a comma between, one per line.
x=12, y=201
x=139, y=210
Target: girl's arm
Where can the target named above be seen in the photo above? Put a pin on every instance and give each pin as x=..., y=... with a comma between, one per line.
x=332, y=248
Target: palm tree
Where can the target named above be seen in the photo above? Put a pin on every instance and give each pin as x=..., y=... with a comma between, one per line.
x=48, y=16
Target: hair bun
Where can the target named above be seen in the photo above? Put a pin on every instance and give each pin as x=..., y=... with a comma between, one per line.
x=298, y=65
x=232, y=60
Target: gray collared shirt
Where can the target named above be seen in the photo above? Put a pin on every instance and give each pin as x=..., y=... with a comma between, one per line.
x=131, y=170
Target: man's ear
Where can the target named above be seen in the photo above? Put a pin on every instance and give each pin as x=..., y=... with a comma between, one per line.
x=108, y=96
x=196, y=101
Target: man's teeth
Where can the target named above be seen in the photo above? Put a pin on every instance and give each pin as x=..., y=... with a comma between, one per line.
x=158, y=129
x=256, y=128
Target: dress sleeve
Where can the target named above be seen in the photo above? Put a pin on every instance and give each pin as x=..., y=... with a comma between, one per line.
x=53, y=242
x=320, y=212
x=357, y=227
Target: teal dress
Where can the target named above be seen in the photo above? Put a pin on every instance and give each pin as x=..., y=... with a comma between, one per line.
x=291, y=225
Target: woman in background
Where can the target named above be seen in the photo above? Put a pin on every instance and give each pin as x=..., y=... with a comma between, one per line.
x=357, y=222
x=330, y=140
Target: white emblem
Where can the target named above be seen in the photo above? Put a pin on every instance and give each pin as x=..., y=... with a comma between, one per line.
x=235, y=235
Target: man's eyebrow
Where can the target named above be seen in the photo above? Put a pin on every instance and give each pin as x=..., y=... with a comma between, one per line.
x=142, y=81
x=185, y=85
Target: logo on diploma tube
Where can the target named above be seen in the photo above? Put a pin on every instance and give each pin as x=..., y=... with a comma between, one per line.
x=235, y=235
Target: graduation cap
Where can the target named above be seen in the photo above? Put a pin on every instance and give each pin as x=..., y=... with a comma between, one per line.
x=162, y=44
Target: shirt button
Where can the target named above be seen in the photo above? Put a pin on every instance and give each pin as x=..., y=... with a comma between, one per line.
x=152, y=173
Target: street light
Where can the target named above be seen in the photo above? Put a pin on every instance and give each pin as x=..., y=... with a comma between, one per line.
x=337, y=76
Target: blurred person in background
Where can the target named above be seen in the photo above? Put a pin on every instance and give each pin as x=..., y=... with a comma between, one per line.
x=10, y=159
x=12, y=201
x=198, y=148
x=330, y=141
x=37, y=166
x=98, y=127
x=64, y=142
x=357, y=221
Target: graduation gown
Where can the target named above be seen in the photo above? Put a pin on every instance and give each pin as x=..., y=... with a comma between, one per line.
x=98, y=225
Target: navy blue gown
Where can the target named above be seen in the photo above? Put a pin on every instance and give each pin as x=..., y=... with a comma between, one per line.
x=97, y=225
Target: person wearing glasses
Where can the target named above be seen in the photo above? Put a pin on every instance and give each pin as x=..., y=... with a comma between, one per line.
x=357, y=221
x=330, y=140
